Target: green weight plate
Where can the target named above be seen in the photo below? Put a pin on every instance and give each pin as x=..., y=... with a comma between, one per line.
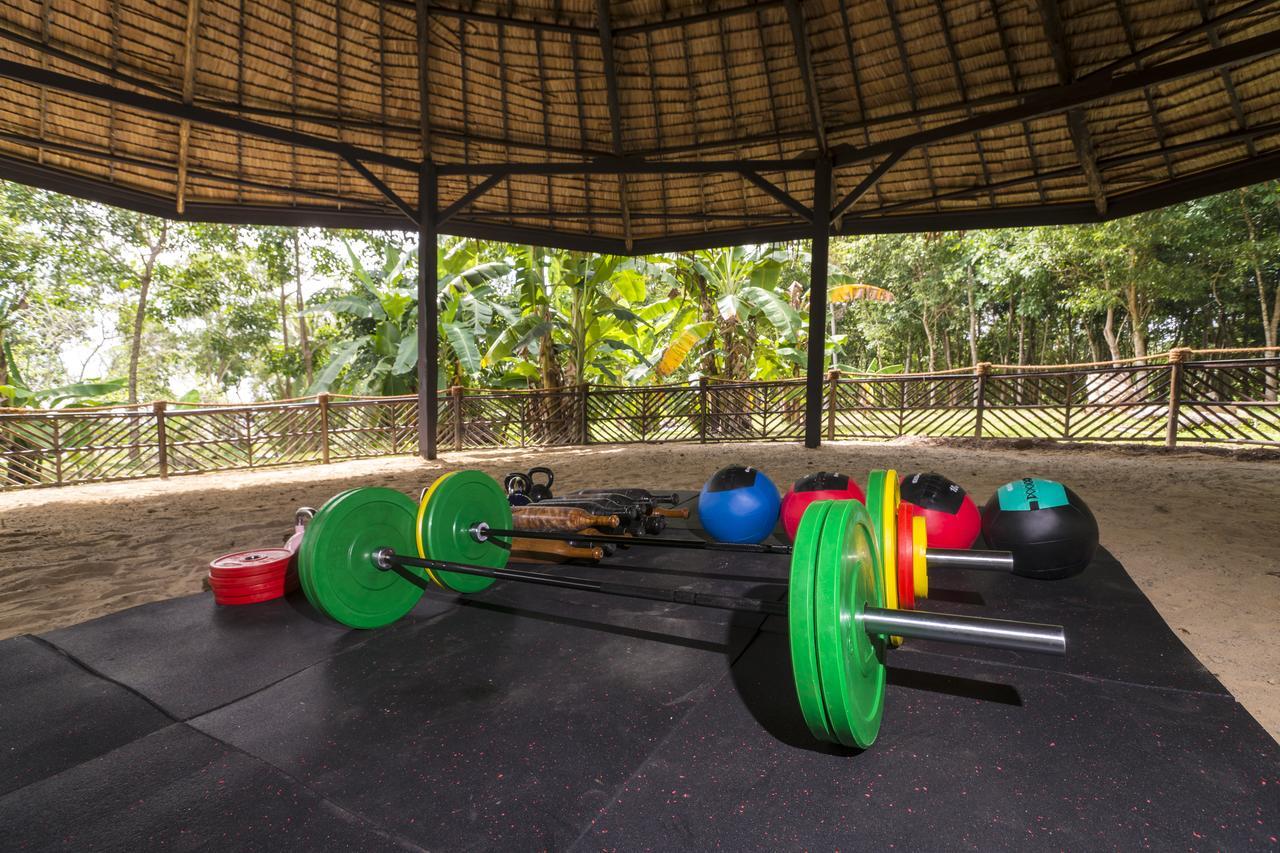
x=449, y=510
x=850, y=661
x=311, y=535
x=337, y=559
x=875, y=507
x=800, y=620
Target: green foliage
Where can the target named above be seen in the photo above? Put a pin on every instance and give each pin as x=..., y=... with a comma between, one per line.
x=228, y=307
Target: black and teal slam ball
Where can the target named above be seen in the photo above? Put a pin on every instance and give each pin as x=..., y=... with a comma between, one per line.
x=1050, y=530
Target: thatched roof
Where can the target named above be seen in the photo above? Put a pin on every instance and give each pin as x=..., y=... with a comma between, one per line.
x=970, y=113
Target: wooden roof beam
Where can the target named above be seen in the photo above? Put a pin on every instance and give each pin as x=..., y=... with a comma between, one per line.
x=1077, y=124
x=1086, y=90
x=615, y=109
x=785, y=198
x=197, y=115
x=1227, y=83
x=800, y=39
x=189, y=44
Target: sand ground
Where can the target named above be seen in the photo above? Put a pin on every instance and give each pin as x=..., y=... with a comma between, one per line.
x=1198, y=533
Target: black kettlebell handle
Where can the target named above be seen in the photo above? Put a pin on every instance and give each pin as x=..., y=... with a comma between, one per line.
x=551, y=478
x=517, y=483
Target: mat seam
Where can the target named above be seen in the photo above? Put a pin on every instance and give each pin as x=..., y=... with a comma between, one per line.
x=350, y=812
x=1229, y=696
x=56, y=649
x=657, y=747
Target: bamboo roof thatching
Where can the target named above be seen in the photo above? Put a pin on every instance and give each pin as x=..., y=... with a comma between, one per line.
x=640, y=124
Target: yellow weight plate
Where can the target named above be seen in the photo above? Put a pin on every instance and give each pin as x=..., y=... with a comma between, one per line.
x=919, y=546
x=422, y=508
x=888, y=530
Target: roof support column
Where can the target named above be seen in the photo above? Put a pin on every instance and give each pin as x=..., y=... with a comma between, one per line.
x=428, y=313
x=819, y=254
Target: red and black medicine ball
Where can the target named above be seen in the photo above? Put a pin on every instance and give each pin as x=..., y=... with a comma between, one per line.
x=950, y=514
x=821, y=486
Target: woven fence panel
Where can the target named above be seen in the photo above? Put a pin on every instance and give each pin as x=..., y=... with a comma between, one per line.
x=207, y=439
x=749, y=411
x=82, y=447
x=1231, y=401
x=283, y=435
x=108, y=446
x=1027, y=405
x=938, y=406
x=630, y=415
x=363, y=428
x=525, y=419
x=28, y=451
x=1119, y=404
x=865, y=408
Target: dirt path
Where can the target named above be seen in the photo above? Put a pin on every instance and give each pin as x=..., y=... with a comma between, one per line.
x=1198, y=533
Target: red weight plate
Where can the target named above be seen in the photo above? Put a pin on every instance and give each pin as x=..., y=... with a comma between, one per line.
x=906, y=564
x=257, y=559
x=252, y=575
x=248, y=599
x=279, y=584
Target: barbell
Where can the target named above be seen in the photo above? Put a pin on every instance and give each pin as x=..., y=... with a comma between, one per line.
x=369, y=554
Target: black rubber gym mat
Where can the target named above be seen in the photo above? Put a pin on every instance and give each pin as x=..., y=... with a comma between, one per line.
x=189, y=655
x=177, y=789
x=54, y=713
x=1113, y=631
x=500, y=725
x=972, y=755
x=530, y=717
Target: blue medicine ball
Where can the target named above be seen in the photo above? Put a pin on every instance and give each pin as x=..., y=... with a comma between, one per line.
x=739, y=505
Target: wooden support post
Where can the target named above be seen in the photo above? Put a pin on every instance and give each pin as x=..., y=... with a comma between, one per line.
x=1177, y=356
x=819, y=255
x=57, y=451
x=981, y=370
x=585, y=389
x=833, y=385
x=458, y=423
x=395, y=440
x=323, y=400
x=1066, y=420
x=428, y=314
x=162, y=441
x=248, y=436
x=702, y=409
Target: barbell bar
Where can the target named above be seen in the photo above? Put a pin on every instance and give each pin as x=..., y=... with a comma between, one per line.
x=970, y=630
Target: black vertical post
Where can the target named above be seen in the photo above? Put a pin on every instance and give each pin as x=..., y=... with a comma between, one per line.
x=815, y=369
x=428, y=313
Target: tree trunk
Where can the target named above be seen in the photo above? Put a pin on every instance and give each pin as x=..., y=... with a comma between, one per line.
x=139, y=317
x=928, y=337
x=973, y=317
x=304, y=339
x=946, y=347
x=1095, y=349
x=284, y=328
x=1109, y=333
x=1270, y=313
x=1137, y=323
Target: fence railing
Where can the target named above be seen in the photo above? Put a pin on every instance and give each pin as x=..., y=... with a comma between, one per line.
x=1167, y=399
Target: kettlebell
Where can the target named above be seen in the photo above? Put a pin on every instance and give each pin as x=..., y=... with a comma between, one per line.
x=540, y=491
x=517, y=487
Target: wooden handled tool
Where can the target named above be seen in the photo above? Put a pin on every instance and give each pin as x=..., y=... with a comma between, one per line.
x=538, y=517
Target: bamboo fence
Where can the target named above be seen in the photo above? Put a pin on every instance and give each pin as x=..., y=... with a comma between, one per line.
x=1180, y=397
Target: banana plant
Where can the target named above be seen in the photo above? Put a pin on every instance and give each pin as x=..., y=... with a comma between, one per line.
x=741, y=283
x=382, y=358
x=576, y=318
